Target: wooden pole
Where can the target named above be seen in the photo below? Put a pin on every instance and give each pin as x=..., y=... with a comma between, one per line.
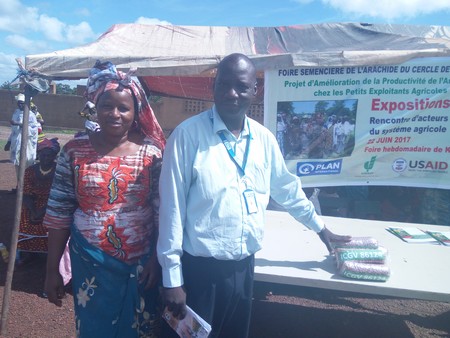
x=15, y=232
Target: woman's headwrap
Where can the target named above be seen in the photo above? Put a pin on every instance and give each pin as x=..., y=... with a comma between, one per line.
x=51, y=144
x=104, y=76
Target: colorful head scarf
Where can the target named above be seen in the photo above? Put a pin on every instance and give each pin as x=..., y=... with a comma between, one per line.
x=104, y=76
x=51, y=144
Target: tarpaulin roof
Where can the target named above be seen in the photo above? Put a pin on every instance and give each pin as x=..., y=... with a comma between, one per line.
x=187, y=55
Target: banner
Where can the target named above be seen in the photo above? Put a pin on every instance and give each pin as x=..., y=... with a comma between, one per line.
x=363, y=125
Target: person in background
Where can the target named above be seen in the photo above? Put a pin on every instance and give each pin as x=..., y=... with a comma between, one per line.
x=294, y=134
x=36, y=189
x=219, y=170
x=105, y=197
x=40, y=121
x=15, y=138
x=281, y=131
x=91, y=123
x=339, y=137
x=90, y=114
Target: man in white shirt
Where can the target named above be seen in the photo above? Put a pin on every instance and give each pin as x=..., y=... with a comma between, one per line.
x=281, y=132
x=219, y=170
x=16, y=135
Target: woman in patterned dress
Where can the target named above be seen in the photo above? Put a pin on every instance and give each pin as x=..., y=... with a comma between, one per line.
x=36, y=188
x=105, y=197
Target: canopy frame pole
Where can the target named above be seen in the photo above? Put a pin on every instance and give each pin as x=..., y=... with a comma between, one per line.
x=15, y=231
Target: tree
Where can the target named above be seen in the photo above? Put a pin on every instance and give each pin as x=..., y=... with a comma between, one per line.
x=285, y=107
x=321, y=106
x=7, y=85
x=65, y=89
x=338, y=108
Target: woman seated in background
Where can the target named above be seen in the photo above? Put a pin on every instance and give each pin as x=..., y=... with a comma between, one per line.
x=36, y=189
x=105, y=197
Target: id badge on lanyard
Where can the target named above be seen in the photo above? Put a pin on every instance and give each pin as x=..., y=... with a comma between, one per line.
x=250, y=201
x=248, y=193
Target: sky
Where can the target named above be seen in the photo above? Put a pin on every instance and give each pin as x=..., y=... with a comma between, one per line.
x=37, y=26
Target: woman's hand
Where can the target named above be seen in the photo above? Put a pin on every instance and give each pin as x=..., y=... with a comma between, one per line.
x=37, y=215
x=54, y=287
x=151, y=273
x=54, y=284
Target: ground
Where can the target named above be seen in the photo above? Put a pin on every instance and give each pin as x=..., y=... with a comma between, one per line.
x=278, y=311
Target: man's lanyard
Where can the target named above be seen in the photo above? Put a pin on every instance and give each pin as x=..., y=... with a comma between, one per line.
x=249, y=194
x=231, y=152
x=229, y=148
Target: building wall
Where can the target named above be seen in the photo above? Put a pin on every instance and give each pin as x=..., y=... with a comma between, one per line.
x=171, y=111
x=57, y=110
x=61, y=111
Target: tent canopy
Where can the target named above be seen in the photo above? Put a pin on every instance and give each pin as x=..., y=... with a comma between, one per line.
x=186, y=56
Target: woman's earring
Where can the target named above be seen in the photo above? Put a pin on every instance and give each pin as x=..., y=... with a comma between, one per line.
x=135, y=125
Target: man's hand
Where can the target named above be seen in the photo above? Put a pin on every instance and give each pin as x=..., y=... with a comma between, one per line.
x=175, y=300
x=328, y=237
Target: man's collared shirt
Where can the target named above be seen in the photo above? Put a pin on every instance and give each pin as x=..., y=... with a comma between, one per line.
x=203, y=207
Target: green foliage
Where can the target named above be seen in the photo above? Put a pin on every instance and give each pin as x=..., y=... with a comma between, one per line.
x=7, y=85
x=321, y=106
x=154, y=99
x=65, y=89
x=60, y=131
x=286, y=107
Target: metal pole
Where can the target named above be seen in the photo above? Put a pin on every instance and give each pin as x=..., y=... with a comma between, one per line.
x=15, y=232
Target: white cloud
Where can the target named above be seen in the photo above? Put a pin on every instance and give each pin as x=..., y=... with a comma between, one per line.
x=80, y=34
x=55, y=30
x=19, y=19
x=389, y=9
x=33, y=31
x=52, y=28
x=151, y=21
x=8, y=67
x=14, y=17
x=28, y=45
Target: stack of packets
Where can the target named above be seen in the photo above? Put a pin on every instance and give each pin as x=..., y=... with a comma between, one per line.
x=191, y=326
x=362, y=258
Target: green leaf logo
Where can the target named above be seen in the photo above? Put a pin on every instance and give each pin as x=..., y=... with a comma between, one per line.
x=369, y=164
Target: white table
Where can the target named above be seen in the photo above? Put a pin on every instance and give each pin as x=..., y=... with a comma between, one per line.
x=293, y=254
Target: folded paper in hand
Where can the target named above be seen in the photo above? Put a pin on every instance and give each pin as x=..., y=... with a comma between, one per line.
x=191, y=326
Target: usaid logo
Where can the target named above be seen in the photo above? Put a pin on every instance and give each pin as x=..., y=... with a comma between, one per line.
x=428, y=165
x=319, y=168
x=399, y=165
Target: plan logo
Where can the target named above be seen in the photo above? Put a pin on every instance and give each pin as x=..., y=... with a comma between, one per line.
x=369, y=164
x=319, y=168
x=399, y=165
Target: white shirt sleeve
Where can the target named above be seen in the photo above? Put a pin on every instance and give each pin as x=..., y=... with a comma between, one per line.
x=286, y=189
x=174, y=187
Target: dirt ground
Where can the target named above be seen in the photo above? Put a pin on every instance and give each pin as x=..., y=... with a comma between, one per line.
x=278, y=311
